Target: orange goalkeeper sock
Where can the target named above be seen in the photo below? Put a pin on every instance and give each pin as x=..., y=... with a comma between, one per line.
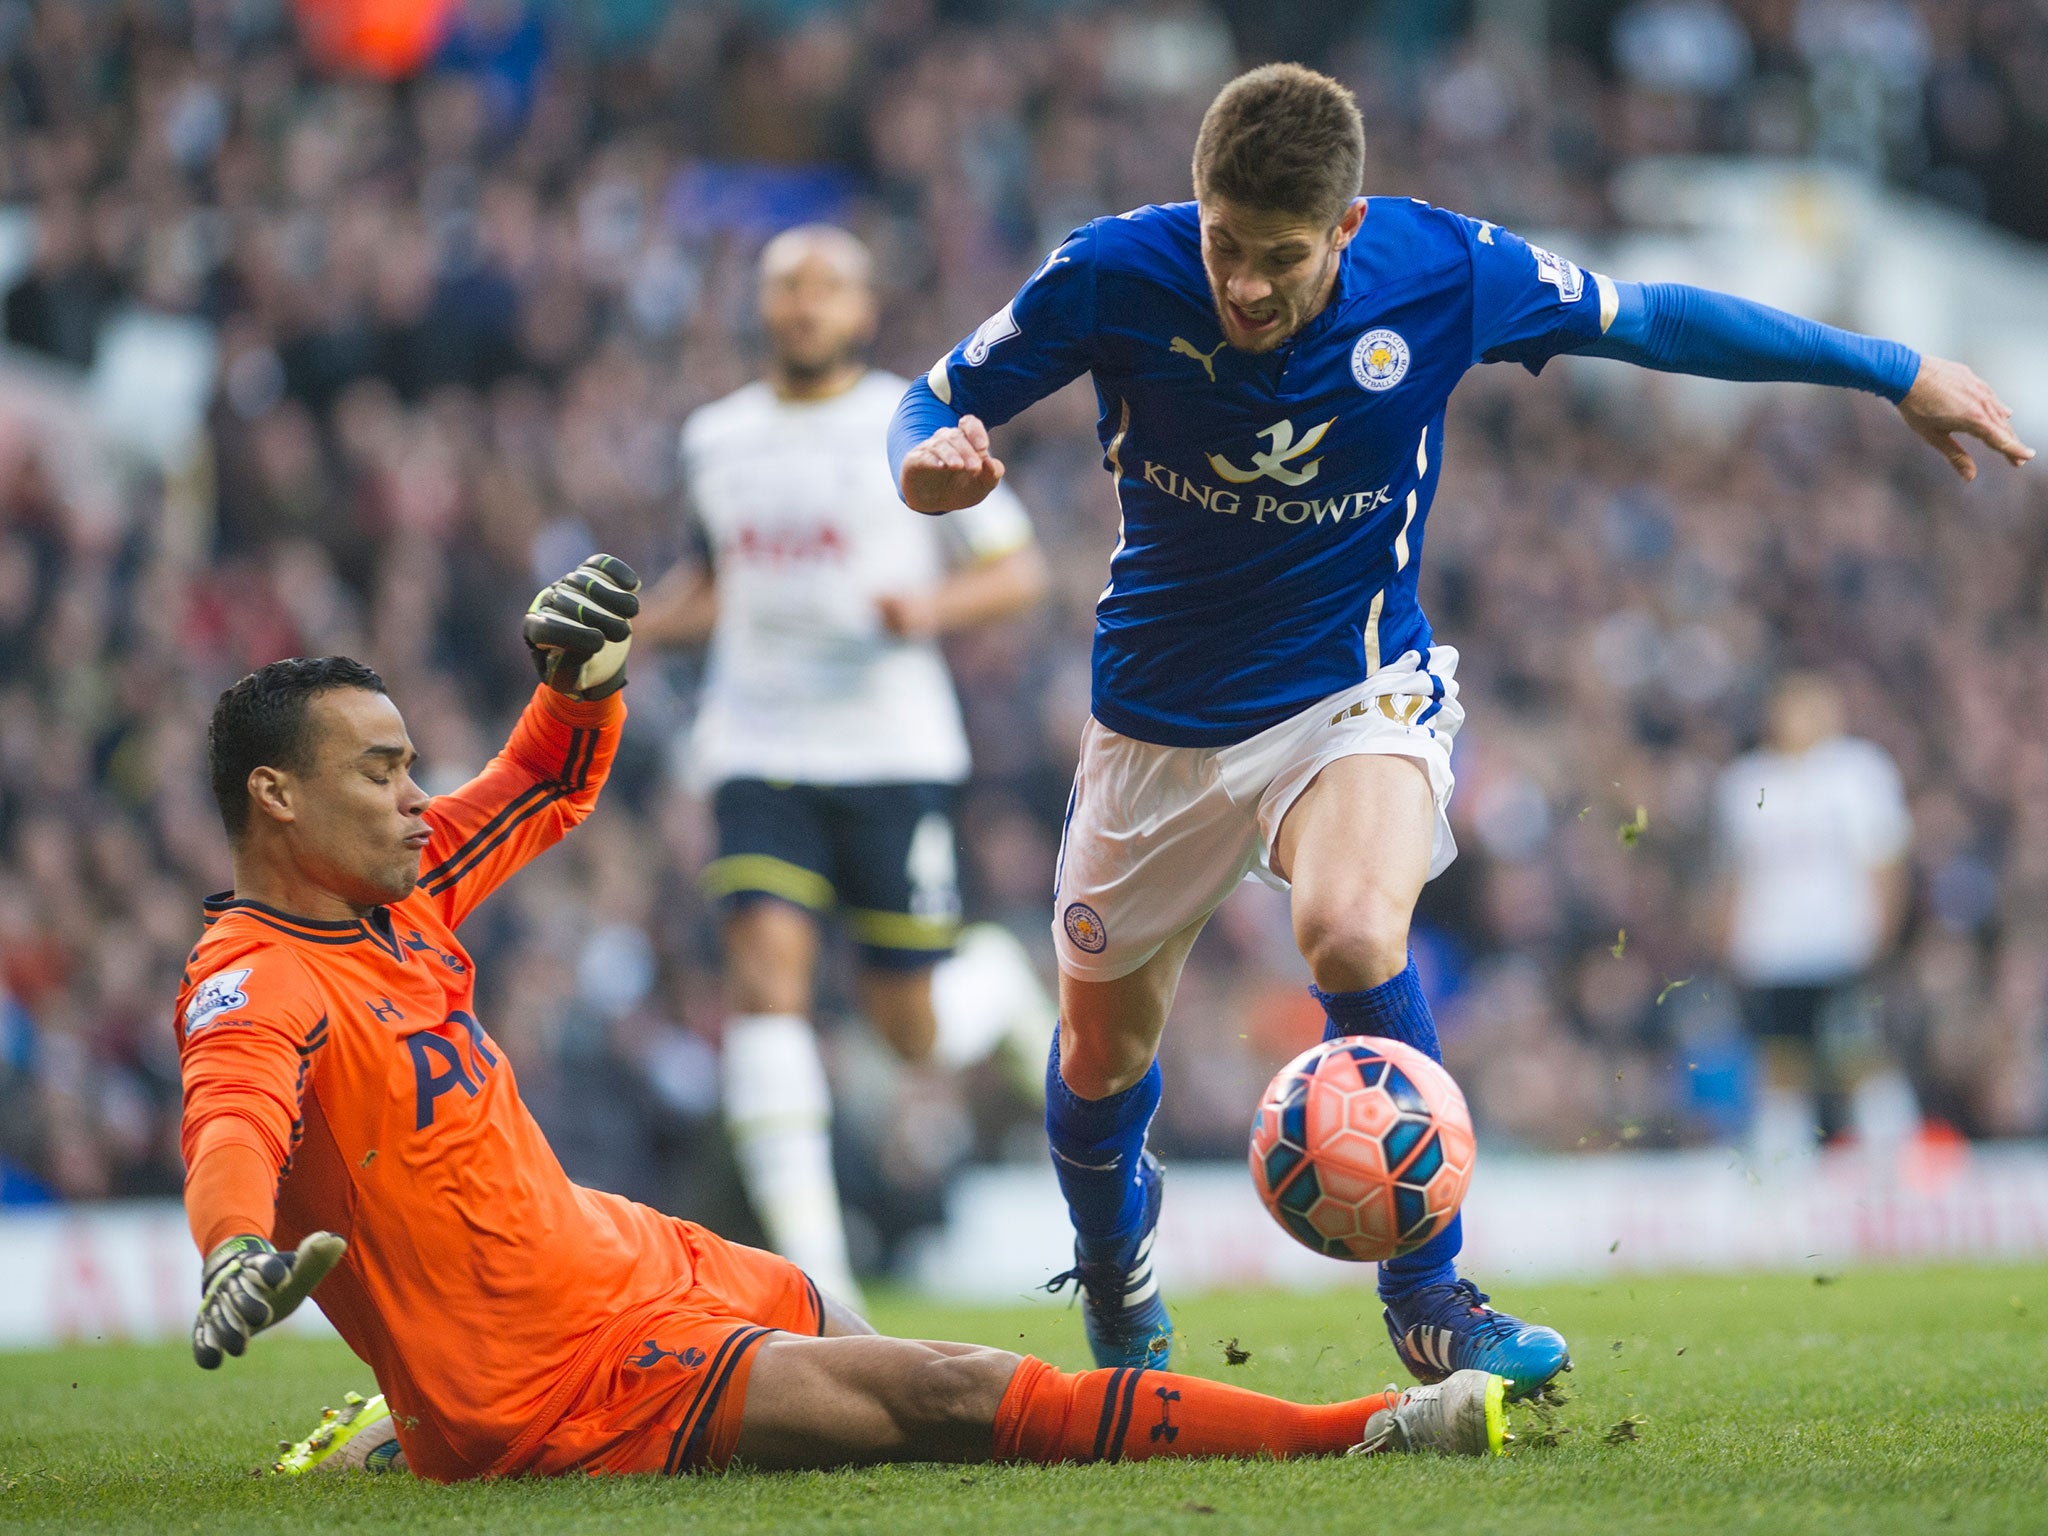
x=1129, y=1415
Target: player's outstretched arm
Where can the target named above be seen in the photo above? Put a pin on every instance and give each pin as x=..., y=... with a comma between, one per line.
x=1677, y=328
x=547, y=777
x=246, y=1036
x=1041, y=339
x=1948, y=401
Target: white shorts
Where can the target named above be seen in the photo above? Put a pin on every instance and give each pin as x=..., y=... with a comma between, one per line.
x=1157, y=836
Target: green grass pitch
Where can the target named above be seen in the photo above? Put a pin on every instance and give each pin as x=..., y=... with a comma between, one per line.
x=1879, y=1401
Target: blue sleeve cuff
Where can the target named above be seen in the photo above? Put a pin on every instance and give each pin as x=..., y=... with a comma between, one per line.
x=1677, y=328
x=919, y=414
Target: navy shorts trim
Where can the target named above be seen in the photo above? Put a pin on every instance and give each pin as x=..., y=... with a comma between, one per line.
x=884, y=857
x=686, y=1449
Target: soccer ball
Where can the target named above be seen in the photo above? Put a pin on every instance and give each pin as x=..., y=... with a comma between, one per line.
x=1362, y=1148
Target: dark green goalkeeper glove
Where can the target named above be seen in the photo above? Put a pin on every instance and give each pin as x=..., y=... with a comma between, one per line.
x=579, y=629
x=248, y=1285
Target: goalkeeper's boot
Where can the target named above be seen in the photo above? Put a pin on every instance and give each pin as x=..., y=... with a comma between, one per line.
x=359, y=1436
x=1465, y=1414
x=1127, y=1323
x=1439, y=1329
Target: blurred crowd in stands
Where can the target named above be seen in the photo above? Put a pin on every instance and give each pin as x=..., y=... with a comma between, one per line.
x=459, y=318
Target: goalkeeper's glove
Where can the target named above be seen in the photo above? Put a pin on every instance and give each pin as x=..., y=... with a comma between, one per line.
x=248, y=1285
x=579, y=629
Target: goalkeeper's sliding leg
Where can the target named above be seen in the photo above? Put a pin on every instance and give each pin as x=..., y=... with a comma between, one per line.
x=846, y=1401
x=863, y=1398
x=754, y=1366
x=838, y=1394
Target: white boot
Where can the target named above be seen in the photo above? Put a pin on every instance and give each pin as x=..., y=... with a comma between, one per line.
x=1465, y=1414
x=1785, y=1135
x=1884, y=1112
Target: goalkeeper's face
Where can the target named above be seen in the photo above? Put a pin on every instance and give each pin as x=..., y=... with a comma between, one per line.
x=1270, y=272
x=357, y=823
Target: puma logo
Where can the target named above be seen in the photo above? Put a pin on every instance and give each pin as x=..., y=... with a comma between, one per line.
x=1185, y=348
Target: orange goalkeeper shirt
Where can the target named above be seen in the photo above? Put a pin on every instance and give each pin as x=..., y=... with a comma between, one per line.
x=350, y=1057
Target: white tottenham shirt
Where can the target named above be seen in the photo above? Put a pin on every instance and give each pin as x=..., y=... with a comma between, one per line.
x=806, y=532
x=1804, y=836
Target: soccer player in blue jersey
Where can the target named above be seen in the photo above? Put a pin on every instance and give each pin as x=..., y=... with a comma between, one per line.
x=1272, y=363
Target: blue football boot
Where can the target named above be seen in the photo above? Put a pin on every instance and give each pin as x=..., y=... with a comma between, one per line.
x=1439, y=1329
x=1126, y=1321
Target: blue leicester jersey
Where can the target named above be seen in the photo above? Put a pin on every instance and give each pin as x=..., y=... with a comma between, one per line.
x=1273, y=504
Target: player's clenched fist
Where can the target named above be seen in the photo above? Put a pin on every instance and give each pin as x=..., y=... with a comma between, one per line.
x=951, y=469
x=248, y=1285
x=580, y=628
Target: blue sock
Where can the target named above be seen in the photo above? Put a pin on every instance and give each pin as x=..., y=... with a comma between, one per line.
x=1097, y=1145
x=1397, y=1010
x=1394, y=1010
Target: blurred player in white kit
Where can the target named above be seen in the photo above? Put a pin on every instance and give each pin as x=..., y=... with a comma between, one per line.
x=1814, y=832
x=828, y=736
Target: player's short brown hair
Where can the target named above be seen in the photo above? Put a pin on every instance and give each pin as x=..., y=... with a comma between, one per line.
x=1284, y=139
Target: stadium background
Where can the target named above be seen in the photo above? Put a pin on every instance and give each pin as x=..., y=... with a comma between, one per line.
x=340, y=329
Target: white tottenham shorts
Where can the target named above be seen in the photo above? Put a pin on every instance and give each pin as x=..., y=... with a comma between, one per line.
x=1157, y=836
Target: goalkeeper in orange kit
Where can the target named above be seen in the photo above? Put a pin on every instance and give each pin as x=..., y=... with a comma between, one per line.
x=350, y=1125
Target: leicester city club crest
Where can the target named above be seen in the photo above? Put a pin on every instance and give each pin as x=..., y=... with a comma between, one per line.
x=1085, y=928
x=1380, y=360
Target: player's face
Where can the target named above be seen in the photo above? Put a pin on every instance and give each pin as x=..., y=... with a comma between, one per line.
x=818, y=312
x=357, y=827
x=1805, y=711
x=1270, y=273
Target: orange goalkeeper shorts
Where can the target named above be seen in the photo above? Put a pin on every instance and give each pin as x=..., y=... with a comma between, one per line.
x=668, y=1380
